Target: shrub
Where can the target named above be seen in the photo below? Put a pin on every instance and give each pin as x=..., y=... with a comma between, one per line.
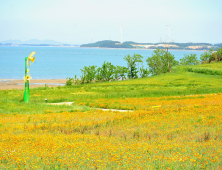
x=69, y=81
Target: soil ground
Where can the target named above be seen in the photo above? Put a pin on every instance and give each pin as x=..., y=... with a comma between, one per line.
x=6, y=84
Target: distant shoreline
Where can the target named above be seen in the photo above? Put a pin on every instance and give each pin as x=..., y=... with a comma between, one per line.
x=142, y=49
x=99, y=47
x=38, y=46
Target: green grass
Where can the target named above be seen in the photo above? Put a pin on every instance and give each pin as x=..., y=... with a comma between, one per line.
x=208, y=68
x=11, y=101
x=179, y=82
x=212, y=65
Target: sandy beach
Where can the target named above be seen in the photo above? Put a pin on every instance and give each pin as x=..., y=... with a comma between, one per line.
x=6, y=84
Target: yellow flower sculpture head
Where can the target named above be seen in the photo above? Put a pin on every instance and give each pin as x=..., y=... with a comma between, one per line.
x=31, y=58
x=28, y=77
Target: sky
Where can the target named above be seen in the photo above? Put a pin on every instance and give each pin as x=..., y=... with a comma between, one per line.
x=86, y=21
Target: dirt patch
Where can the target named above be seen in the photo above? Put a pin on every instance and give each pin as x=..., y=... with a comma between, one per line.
x=7, y=84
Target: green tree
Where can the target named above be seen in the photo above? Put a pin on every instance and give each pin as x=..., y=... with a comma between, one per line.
x=214, y=57
x=99, y=74
x=144, y=72
x=189, y=59
x=219, y=54
x=89, y=74
x=107, y=71
x=206, y=56
x=120, y=72
x=158, y=63
x=131, y=62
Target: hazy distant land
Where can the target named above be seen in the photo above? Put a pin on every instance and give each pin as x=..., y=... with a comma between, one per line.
x=116, y=44
x=35, y=42
x=173, y=45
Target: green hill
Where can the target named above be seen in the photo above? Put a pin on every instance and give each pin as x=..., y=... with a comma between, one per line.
x=109, y=44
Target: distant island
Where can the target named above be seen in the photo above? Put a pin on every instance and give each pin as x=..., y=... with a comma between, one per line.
x=115, y=44
x=35, y=42
x=41, y=45
x=131, y=44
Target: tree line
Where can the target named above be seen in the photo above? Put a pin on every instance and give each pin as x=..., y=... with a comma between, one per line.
x=161, y=62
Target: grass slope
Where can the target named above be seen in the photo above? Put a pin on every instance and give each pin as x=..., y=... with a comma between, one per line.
x=179, y=82
x=208, y=68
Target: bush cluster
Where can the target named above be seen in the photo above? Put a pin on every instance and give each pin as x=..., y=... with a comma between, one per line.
x=109, y=72
x=209, y=56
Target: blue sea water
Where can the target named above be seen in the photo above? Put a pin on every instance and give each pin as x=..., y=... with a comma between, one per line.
x=63, y=62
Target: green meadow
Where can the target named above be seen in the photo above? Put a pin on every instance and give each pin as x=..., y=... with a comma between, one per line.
x=177, y=83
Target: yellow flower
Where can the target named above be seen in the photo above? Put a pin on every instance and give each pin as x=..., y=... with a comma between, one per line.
x=27, y=70
x=28, y=77
x=31, y=58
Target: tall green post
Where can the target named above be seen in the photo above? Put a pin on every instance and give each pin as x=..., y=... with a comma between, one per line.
x=26, y=93
x=27, y=77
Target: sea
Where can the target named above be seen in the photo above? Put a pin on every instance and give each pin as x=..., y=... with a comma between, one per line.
x=66, y=62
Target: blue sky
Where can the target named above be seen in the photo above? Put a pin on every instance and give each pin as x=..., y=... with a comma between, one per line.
x=74, y=21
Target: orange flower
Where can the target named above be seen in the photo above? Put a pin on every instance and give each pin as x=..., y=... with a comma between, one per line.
x=28, y=77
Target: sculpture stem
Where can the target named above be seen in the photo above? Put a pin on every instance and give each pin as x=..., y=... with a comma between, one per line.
x=26, y=93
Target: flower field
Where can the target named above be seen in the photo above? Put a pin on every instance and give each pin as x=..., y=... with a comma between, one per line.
x=170, y=121
x=174, y=132
x=152, y=102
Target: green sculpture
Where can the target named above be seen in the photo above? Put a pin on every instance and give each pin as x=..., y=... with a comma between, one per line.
x=28, y=77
